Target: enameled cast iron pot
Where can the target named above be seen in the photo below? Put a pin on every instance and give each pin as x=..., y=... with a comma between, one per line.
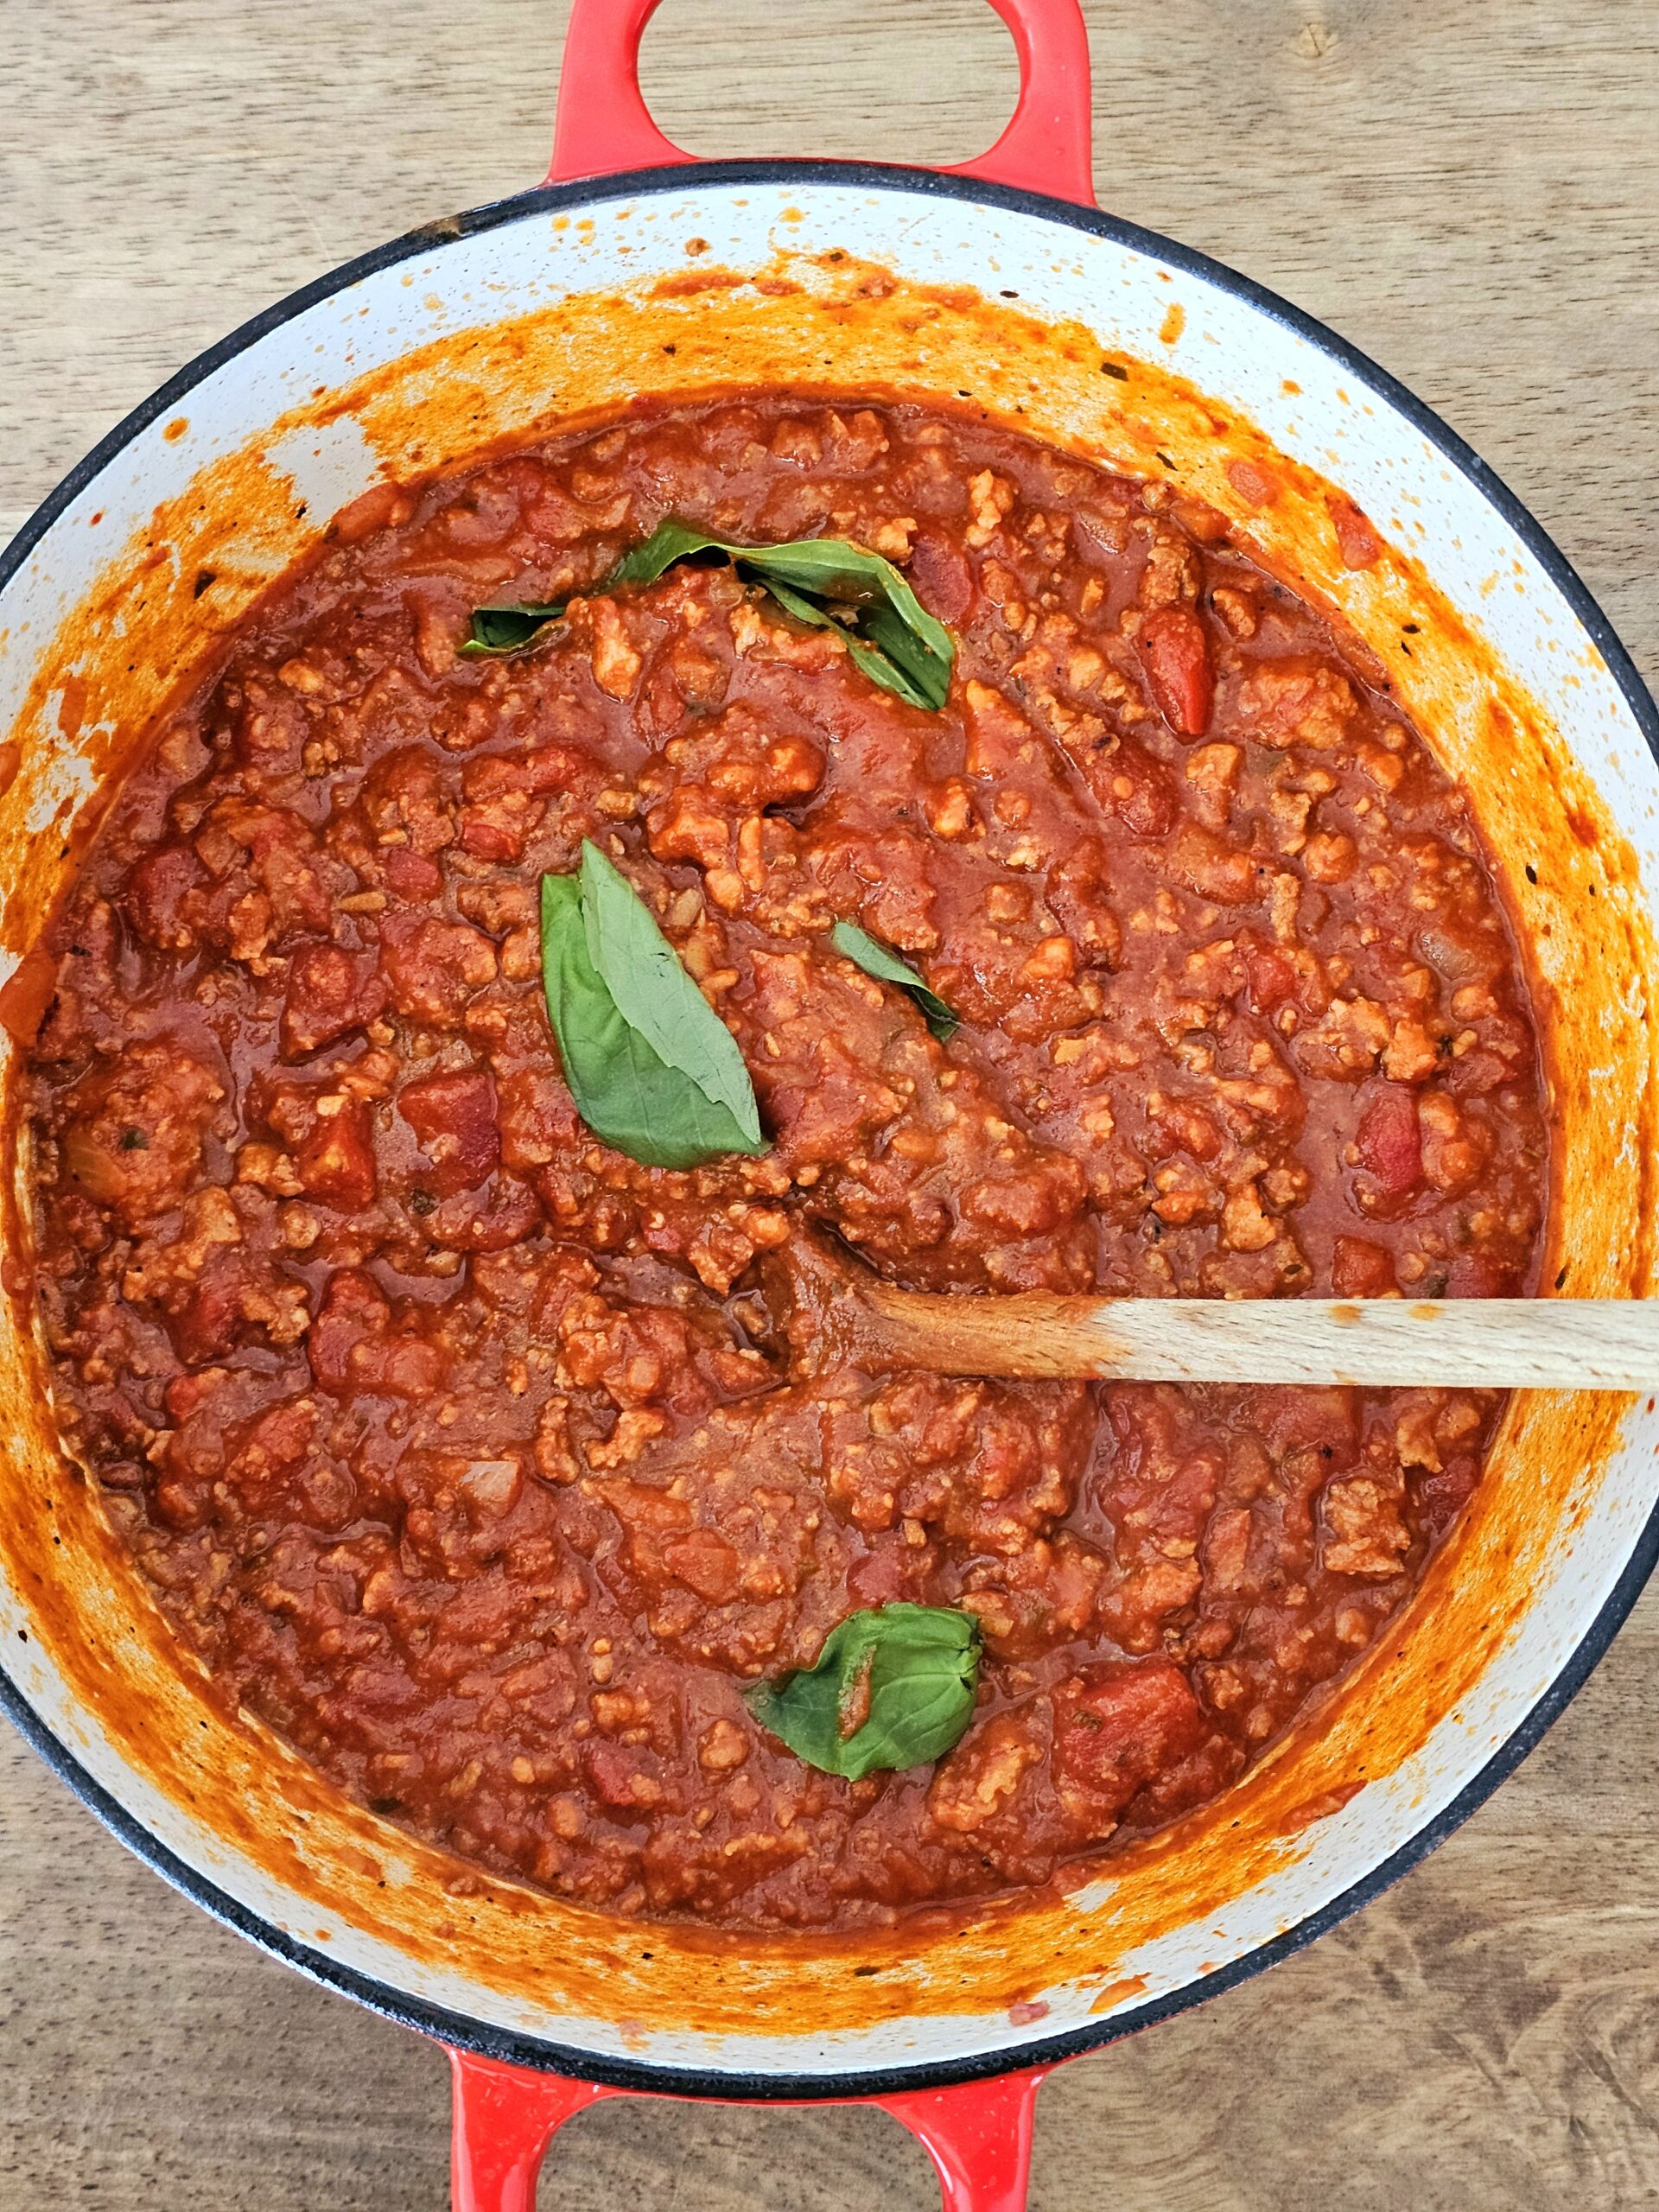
x=631, y=273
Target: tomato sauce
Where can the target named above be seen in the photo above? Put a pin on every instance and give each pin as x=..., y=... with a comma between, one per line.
x=466, y=1451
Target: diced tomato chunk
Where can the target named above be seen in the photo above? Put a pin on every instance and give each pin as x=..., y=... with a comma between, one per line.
x=1442, y=1495
x=335, y=1160
x=1390, y=1143
x=1137, y=790
x=155, y=896
x=940, y=576
x=454, y=1117
x=434, y=966
x=330, y=993
x=1361, y=1269
x=134, y=1128
x=705, y=1563
x=356, y=1344
x=539, y=772
x=1175, y=653
x=1117, y=1725
x=622, y=1776
x=501, y=842
x=1272, y=978
x=504, y=1215
x=413, y=876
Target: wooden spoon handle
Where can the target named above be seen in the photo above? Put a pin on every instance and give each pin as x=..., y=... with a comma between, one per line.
x=1553, y=1343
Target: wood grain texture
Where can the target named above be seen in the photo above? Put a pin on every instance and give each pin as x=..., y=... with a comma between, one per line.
x=1468, y=189
x=1558, y=1343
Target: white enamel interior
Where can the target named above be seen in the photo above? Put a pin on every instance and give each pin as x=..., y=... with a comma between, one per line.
x=1231, y=349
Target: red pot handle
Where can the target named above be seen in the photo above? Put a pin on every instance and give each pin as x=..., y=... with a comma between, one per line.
x=502, y=2119
x=977, y=2135
x=603, y=124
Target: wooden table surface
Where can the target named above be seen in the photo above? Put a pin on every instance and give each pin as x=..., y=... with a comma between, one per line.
x=1469, y=189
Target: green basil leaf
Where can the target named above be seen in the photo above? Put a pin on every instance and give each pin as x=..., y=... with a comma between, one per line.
x=655, y=995
x=910, y=653
x=874, y=957
x=882, y=668
x=804, y=610
x=890, y=634
x=898, y=644
x=912, y=1669
x=891, y=677
x=652, y=1068
x=509, y=629
x=670, y=542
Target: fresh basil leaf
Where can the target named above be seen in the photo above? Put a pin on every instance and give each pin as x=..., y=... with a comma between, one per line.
x=910, y=1671
x=898, y=644
x=670, y=542
x=890, y=635
x=635, y=1048
x=655, y=995
x=509, y=629
x=891, y=677
x=804, y=610
x=882, y=668
x=910, y=653
x=874, y=957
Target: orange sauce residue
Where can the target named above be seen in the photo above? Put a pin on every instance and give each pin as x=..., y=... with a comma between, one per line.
x=1118, y=1992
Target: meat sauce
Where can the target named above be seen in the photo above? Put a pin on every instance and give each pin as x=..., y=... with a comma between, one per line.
x=462, y=1448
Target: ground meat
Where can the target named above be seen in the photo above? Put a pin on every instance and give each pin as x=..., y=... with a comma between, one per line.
x=460, y=1447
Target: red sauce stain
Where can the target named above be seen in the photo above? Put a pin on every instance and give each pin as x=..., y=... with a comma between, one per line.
x=1320, y=1808
x=1207, y=524
x=176, y=429
x=71, y=708
x=1119, y=1992
x=1253, y=482
x=26, y=993
x=1360, y=546
x=382, y=505
x=1174, y=324
x=697, y=280
x=1582, y=827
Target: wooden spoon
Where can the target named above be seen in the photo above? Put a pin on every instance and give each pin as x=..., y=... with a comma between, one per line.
x=834, y=1311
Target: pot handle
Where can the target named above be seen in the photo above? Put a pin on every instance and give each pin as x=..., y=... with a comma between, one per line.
x=502, y=2120
x=977, y=2134
x=603, y=125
